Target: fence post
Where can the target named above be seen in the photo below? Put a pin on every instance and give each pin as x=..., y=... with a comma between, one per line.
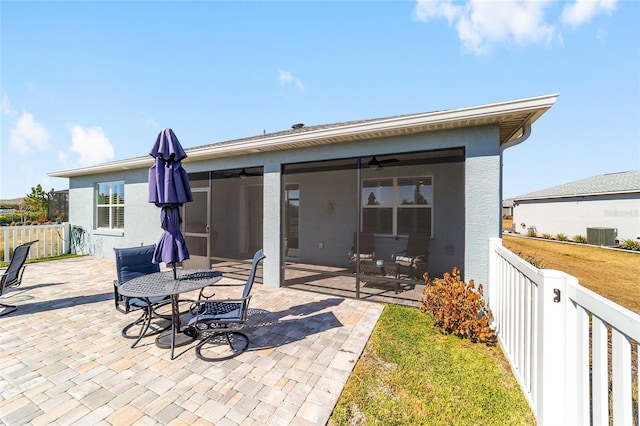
x=493, y=269
x=551, y=352
x=66, y=232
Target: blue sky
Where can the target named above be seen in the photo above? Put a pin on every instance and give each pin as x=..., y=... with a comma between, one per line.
x=86, y=82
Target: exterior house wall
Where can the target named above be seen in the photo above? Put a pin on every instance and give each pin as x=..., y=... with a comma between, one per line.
x=467, y=200
x=483, y=204
x=572, y=216
x=142, y=219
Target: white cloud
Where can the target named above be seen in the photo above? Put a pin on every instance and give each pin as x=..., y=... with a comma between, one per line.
x=63, y=157
x=582, y=11
x=285, y=78
x=28, y=135
x=482, y=24
x=91, y=145
x=6, y=107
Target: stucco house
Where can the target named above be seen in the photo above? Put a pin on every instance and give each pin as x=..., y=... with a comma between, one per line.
x=604, y=202
x=302, y=193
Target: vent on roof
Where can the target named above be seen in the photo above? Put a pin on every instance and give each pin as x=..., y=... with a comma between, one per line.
x=297, y=126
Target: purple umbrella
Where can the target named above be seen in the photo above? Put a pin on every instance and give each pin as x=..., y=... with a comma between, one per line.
x=168, y=181
x=169, y=189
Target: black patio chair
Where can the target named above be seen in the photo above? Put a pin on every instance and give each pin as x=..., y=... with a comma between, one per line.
x=131, y=263
x=12, y=276
x=416, y=256
x=217, y=318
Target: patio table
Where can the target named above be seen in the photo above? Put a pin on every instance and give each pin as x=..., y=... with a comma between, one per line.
x=371, y=267
x=164, y=284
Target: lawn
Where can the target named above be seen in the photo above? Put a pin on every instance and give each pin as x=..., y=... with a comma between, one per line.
x=411, y=374
x=610, y=273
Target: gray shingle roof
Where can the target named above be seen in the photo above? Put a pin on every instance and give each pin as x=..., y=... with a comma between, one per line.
x=611, y=183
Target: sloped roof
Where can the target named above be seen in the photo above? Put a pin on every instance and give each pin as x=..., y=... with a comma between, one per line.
x=608, y=184
x=510, y=116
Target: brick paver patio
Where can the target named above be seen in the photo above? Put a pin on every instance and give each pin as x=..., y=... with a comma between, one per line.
x=63, y=360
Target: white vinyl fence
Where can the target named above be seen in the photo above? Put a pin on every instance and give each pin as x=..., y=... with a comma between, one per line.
x=53, y=240
x=573, y=351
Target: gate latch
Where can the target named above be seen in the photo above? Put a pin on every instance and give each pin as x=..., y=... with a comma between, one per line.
x=556, y=298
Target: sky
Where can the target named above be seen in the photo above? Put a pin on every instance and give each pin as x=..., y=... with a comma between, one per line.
x=88, y=82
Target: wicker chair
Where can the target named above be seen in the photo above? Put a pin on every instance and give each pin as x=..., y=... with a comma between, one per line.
x=416, y=256
x=367, y=247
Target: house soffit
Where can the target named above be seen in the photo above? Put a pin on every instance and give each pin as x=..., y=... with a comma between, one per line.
x=510, y=116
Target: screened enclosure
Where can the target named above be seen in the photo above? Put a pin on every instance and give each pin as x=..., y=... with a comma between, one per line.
x=357, y=227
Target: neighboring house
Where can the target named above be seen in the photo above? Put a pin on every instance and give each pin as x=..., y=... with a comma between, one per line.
x=606, y=201
x=507, y=207
x=302, y=193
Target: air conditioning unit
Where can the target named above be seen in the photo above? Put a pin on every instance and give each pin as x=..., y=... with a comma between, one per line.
x=602, y=236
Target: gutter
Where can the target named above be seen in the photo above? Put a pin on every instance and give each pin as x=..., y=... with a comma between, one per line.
x=526, y=132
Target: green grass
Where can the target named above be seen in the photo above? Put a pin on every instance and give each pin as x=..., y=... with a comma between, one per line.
x=45, y=259
x=411, y=374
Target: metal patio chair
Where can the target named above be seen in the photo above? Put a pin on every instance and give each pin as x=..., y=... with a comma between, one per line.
x=218, y=318
x=132, y=263
x=12, y=276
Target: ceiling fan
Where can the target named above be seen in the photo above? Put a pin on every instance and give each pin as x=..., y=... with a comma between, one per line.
x=244, y=174
x=374, y=163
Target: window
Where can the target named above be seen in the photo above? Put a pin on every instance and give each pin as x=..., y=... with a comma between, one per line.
x=397, y=206
x=110, y=205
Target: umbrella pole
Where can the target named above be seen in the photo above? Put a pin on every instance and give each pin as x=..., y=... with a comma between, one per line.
x=174, y=271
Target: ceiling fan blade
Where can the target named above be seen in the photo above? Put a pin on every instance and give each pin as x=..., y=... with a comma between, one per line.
x=390, y=160
x=374, y=163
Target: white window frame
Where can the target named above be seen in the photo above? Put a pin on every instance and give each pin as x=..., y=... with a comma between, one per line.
x=110, y=205
x=395, y=203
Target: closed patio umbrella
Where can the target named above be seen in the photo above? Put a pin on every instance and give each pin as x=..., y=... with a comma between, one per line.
x=169, y=189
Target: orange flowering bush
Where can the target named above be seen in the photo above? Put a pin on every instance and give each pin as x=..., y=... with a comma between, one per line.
x=458, y=307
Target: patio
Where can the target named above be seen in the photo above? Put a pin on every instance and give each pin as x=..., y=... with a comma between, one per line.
x=64, y=361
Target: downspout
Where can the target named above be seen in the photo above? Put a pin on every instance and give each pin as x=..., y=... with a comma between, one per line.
x=526, y=132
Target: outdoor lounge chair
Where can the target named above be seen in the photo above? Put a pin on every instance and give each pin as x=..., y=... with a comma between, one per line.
x=367, y=247
x=132, y=263
x=415, y=256
x=12, y=276
x=216, y=318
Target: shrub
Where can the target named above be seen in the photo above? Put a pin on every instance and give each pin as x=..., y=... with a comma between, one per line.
x=562, y=237
x=458, y=308
x=580, y=239
x=630, y=245
x=546, y=236
x=532, y=232
x=16, y=218
x=532, y=260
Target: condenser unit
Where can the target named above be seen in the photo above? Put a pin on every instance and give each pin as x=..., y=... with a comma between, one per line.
x=602, y=236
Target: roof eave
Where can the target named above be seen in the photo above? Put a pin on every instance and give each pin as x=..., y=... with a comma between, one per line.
x=516, y=113
x=588, y=194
